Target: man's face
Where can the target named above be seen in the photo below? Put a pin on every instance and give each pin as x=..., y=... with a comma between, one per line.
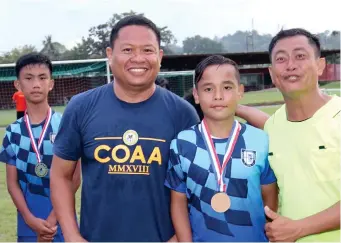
x=35, y=82
x=136, y=57
x=218, y=92
x=295, y=66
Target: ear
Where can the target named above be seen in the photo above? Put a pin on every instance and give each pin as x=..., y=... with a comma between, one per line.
x=240, y=91
x=51, y=84
x=272, y=75
x=196, y=96
x=160, y=56
x=321, y=65
x=109, y=52
x=17, y=85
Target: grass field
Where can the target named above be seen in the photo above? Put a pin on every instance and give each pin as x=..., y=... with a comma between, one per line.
x=7, y=209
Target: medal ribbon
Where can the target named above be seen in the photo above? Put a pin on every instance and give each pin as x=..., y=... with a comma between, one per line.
x=232, y=140
x=36, y=147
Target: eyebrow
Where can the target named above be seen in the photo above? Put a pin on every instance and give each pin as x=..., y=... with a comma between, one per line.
x=296, y=49
x=224, y=82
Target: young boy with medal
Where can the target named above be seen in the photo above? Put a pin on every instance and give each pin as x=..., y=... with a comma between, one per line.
x=218, y=170
x=27, y=152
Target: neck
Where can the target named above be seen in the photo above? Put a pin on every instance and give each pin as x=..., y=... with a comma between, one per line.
x=304, y=107
x=37, y=112
x=220, y=129
x=133, y=95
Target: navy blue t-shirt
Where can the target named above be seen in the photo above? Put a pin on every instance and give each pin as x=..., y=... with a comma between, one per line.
x=124, y=149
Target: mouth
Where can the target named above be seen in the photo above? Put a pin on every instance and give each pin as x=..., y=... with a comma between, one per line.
x=36, y=93
x=292, y=78
x=218, y=107
x=137, y=70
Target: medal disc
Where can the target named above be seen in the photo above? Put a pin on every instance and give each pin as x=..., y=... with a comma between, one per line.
x=220, y=202
x=41, y=170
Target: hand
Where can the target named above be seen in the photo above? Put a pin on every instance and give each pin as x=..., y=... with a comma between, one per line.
x=281, y=229
x=46, y=238
x=41, y=227
x=52, y=220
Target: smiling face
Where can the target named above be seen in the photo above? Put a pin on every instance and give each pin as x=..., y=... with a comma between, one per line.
x=218, y=92
x=135, y=57
x=295, y=66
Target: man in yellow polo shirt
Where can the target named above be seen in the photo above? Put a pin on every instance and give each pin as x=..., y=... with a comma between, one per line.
x=304, y=143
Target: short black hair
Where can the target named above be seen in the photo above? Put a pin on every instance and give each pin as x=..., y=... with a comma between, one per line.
x=33, y=58
x=134, y=20
x=312, y=39
x=214, y=60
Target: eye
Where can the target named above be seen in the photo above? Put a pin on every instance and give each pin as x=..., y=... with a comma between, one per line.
x=127, y=50
x=300, y=56
x=280, y=59
x=228, y=87
x=148, y=50
x=208, y=89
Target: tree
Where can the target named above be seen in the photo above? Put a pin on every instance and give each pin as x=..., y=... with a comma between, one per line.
x=53, y=50
x=14, y=54
x=98, y=38
x=200, y=45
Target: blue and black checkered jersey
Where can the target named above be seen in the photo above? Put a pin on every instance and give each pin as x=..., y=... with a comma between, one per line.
x=17, y=150
x=190, y=171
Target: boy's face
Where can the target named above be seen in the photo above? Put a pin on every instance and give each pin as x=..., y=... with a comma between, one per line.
x=35, y=82
x=218, y=92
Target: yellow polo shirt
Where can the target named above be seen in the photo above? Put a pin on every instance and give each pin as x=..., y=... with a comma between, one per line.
x=305, y=157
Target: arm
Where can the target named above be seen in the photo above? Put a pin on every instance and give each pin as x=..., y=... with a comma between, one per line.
x=65, y=170
x=283, y=229
x=62, y=173
x=52, y=219
x=38, y=225
x=326, y=220
x=253, y=116
x=179, y=213
x=270, y=196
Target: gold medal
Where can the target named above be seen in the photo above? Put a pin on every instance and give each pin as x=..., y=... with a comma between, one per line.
x=220, y=202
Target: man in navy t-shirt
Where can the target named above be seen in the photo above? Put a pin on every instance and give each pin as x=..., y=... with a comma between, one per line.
x=122, y=133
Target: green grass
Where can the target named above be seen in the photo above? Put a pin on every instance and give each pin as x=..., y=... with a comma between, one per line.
x=330, y=85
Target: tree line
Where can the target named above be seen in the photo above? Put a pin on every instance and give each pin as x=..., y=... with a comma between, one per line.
x=93, y=45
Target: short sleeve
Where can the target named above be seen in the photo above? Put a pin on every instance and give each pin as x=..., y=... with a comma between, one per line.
x=7, y=154
x=68, y=142
x=267, y=175
x=175, y=178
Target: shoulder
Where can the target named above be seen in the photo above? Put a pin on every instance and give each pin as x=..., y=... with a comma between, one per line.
x=188, y=135
x=80, y=102
x=252, y=131
x=15, y=126
x=176, y=101
x=276, y=118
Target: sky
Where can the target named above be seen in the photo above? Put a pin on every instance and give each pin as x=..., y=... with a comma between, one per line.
x=29, y=21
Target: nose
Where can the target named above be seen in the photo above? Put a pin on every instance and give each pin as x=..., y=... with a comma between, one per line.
x=36, y=83
x=137, y=57
x=292, y=66
x=218, y=95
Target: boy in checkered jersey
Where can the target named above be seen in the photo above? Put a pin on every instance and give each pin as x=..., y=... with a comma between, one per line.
x=218, y=170
x=27, y=152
